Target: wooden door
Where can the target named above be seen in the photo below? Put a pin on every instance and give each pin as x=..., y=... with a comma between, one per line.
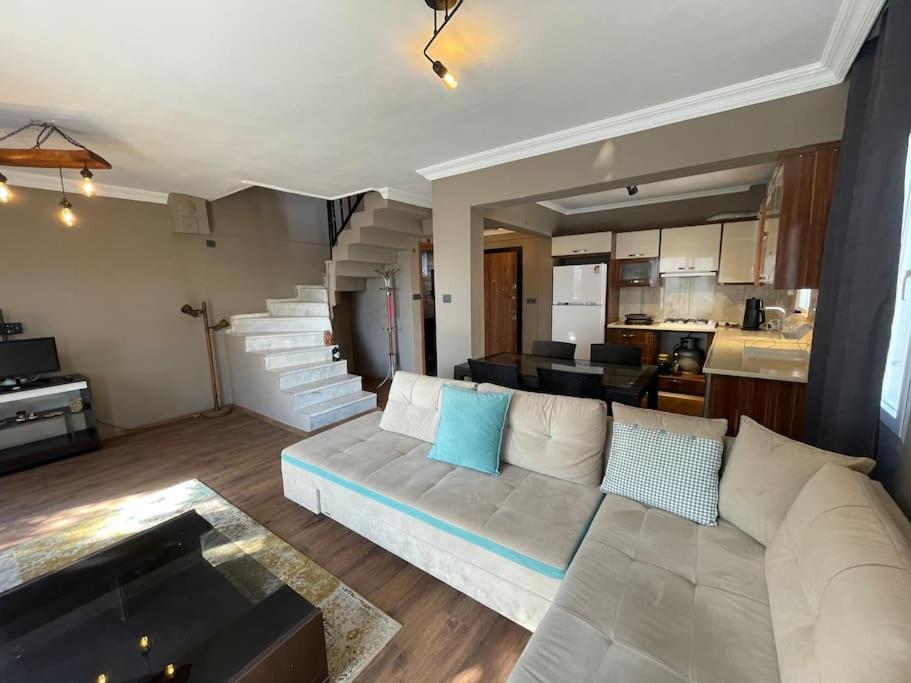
x=502, y=297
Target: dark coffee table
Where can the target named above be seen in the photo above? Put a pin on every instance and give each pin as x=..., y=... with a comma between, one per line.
x=209, y=612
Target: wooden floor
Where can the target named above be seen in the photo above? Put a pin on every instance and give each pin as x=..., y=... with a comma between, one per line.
x=445, y=635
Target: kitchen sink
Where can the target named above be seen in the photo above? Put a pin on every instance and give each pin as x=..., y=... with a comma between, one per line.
x=770, y=351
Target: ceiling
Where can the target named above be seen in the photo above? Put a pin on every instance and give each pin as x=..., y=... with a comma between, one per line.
x=730, y=181
x=330, y=98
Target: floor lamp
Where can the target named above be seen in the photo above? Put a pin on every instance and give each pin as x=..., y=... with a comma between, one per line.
x=203, y=311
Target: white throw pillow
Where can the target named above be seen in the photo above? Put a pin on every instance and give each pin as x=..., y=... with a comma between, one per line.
x=709, y=428
x=674, y=472
x=764, y=473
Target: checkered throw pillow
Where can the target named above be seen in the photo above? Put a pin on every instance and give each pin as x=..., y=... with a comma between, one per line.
x=673, y=472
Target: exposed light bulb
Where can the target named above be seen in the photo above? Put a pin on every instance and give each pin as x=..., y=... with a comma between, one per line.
x=88, y=187
x=5, y=194
x=101, y=678
x=449, y=80
x=170, y=671
x=66, y=214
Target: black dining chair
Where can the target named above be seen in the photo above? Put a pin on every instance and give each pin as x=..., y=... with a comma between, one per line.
x=615, y=353
x=563, y=383
x=494, y=373
x=553, y=349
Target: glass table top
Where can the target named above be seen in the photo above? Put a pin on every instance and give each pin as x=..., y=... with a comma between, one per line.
x=178, y=594
x=612, y=375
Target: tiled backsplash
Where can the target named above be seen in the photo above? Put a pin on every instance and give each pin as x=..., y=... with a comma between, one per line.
x=703, y=297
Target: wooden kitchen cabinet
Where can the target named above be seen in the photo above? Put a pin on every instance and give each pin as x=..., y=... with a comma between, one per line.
x=644, y=339
x=794, y=218
x=692, y=249
x=780, y=406
x=738, y=253
x=638, y=244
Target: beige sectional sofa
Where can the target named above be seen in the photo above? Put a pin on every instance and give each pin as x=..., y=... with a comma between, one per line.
x=615, y=590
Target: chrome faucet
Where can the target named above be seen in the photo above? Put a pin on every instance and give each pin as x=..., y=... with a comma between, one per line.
x=779, y=322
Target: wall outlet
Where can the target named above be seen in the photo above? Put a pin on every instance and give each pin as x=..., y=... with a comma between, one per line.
x=210, y=244
x=447, y=298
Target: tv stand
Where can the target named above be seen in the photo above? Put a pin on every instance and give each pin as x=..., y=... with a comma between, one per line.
x=46, y=419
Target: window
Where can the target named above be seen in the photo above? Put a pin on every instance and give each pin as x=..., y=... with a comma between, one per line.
x=896, y=402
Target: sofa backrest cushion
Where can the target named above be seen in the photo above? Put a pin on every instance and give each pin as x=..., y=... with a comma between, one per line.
x=708, y=428
x=558, y=436
x=413, y=407
x=839, y=579
x=764, y=474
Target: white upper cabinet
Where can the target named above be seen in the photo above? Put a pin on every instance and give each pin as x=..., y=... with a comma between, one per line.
x=690, y=251
x=579, y=245
x=639, y=244
x=738, y=252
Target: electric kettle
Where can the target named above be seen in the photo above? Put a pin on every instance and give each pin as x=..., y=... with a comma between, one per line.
x=753, y=314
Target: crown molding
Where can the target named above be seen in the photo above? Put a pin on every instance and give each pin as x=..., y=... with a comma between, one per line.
x=395, y=195
x=851, y=26
x=680, y=196
x=38, y=181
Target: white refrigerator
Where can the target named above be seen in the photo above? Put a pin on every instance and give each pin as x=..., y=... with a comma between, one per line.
x=580, y=306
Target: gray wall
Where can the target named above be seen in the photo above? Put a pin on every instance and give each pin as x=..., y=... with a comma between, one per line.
x=111, y=288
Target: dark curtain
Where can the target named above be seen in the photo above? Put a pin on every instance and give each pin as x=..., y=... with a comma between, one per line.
x=860, y=259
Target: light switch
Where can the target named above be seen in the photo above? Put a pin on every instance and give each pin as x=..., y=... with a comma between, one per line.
x=447, y=298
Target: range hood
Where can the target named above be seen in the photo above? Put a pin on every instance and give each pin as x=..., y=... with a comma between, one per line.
x=690, y=273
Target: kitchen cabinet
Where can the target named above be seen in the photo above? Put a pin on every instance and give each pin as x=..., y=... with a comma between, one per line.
x=638, y=244
x=578, y=245
x=780, y=406
x=690, y=250
x=738, y=253
x=794, y=218
x=643, y=339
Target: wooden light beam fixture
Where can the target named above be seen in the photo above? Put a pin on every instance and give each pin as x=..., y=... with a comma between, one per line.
x=38, y=157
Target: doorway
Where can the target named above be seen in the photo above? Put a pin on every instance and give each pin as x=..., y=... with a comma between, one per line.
x=503, y=300
x=428, y=310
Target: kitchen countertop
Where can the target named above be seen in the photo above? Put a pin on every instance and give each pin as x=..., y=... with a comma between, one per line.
x=758, y=354
x=660, y=326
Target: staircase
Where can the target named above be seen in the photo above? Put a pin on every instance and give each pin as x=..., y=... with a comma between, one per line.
x=368, y=238
x=282, y=367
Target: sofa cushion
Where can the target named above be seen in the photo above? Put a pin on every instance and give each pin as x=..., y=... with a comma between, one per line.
x=764, y=473
x=471, y=429
x=531, y=519
x=839, y=573
x=709, y=428
x=413, y=408
x=653, y=597
x=677, y=473
x=557, y=436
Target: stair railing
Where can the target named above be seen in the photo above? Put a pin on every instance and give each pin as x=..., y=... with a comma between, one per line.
x=339, y=212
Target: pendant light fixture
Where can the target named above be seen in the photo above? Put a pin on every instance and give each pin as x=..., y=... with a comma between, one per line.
x=39, y=156
x=448, y=8
x=88, y=187
x=5, y=194
x=66, y=213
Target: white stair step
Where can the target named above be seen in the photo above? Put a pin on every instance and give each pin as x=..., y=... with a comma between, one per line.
x=375, y=201
x=316, y=294
x=297, y=309
x=379, y=237
x=299, y=356
x=296, y=375
x=335, y=410
x=283, y=340
x=389, y=220
x=365, y=253
x=355, y=268
x=323, y=390
x=266, y=324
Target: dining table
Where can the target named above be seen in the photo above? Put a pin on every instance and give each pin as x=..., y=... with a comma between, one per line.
x=626, y=384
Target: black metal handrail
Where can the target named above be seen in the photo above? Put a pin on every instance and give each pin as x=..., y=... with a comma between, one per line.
x=340, y=212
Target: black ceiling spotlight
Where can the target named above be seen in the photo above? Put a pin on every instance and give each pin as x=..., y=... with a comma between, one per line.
x=632, y=189
x=448, y=8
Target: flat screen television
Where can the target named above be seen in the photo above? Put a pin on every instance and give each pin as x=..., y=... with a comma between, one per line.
x=26, y=358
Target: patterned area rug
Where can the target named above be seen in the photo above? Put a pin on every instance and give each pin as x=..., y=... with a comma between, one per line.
x=355, y=629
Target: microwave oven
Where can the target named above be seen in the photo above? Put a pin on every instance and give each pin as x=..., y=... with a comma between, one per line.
x=637, y=272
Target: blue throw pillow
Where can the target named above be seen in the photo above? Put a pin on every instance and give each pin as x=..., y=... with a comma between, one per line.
x=674, y=472
x=471, y=429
